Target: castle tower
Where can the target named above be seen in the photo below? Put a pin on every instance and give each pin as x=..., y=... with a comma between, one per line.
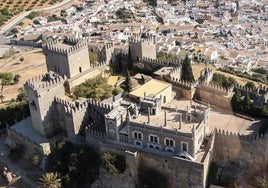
x=68, y=57
x=109, y=50
x=141, y=46
x=41, y=91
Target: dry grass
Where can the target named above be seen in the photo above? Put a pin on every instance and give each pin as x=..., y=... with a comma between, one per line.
x=33, y=65
x=242, y=81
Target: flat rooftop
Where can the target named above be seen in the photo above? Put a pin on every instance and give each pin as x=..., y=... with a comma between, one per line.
x=164, y=71
x=63, y=45
x=153, y=87
x=222, y=119
x=173, y=121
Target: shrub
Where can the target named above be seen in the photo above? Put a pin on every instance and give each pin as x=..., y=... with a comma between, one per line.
x=114, y=164
x=35, y=160
x=33, y=15
x=16, y=152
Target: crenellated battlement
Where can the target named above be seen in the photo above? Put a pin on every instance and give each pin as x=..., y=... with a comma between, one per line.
x=98, y=65
x=109, y=45
x=216, y=89
x=65, y=47
x=70, y=107
x=183, y=84
x=44, y=82
x=100, y=104
x=169, y=62
x=94, y=133
x=142, y=38
x=247, y=138
x=175, y=71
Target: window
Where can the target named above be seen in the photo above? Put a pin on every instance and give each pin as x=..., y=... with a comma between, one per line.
x=171, y=150
x=153, y=146
x=138, y=143
x=137, y=135
x=184, y=146
x=153, y=138
x=169, y=142
x=80, y=69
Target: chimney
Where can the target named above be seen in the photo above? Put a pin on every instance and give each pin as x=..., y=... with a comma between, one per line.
x=180, y=121
x=149, y=109
x=165, y=118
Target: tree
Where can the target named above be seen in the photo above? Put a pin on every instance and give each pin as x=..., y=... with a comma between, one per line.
x=16, y=78
x=250, y=85
x=130, y=61
x=236, y=101
x=2, y=98
x=33, y=15
x=108, y=162
x=128, y=83
x=96, y=88
x=6, y=79
x=75, y=164
x=187, y=72
x=246, y=103
x=50, y=180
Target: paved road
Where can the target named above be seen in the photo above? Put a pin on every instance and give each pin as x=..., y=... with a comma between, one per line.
x=11, y=24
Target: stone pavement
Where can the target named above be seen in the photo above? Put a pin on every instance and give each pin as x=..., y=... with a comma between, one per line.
x=222, y=119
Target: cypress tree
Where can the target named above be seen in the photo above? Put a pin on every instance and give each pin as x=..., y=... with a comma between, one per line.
x=130, y=62
x=236, y=101
x=128, y=87
x=187, y=72
x=246, y=103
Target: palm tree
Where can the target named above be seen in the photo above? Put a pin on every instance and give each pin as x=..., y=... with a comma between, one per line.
x=50, y=180
x=2, y=98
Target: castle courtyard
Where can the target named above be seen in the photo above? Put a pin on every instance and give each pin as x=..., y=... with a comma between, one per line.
x=222, y=119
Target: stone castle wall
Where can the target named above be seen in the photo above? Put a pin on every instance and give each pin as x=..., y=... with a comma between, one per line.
x=247, y=155
x=31, y=148
x=215, y=96
x=179, y=172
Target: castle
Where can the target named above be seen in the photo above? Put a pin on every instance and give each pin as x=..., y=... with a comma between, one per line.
x=150, y=124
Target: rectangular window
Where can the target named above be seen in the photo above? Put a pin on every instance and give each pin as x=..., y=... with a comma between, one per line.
x=153, y=139
x=169, y=142
x=184, y=146
x=137, y=135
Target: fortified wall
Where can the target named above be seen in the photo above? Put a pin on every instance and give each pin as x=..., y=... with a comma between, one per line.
x=178, y=171
x=185, y=89
x=214, y=95
x=247, y=153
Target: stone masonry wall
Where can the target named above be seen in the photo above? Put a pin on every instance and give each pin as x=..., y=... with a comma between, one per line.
x=214, y=98
x=249, y=154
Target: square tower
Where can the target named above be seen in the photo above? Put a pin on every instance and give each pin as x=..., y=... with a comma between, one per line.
x=41, y=92
x=142, y=45
x=68, y=57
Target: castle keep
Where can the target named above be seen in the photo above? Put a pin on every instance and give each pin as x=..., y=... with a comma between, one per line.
x=150, y=126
